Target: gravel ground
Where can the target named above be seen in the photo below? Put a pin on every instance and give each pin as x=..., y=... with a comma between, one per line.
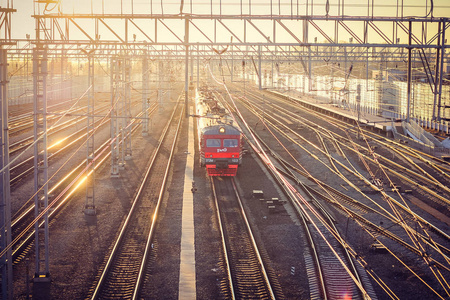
x=78, y=244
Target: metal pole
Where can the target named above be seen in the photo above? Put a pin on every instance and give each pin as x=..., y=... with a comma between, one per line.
x=232, y=64
x=145, y=94
x=259, y=67
x=198, y=66
x=408, y=106
x=441, y=71
x=358, y=103
x=5, y=200
x=61, y=93
x=113, y=123
x=89, y=207
x=127, y=109
x=436, y=73
x=186, y=68
x=42, y=273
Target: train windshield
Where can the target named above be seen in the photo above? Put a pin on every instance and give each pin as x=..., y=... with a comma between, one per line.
x=230, y=142
x=213, y=143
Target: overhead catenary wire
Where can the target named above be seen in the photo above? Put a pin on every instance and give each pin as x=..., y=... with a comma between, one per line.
x=435, y=247
x=296, y=195
x=45, y=132
x=72, y=183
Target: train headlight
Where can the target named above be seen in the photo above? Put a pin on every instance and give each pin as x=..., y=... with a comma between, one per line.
x=209, y=160
x=222, y=130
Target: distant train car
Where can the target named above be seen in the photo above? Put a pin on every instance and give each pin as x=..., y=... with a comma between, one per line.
x=220, y=140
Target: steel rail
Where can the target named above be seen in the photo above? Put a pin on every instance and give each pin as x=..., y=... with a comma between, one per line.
x=25, y=142
x=227, y=245
x=416, y=153
x=21, y=212
x=30, y=114
x=433, y=227
x=437, y=230
x=315, y=255
x=289, y=172
x=124, y=228
x=391, y=236
x=29, y=170
x=255, y=246
x=351, y=200
x=372, y=160
x=23, y=245
x=356, y=215
x=224, y=243
x=141, y=274
x=429, y=179
x=17, y=178
x=25, y=124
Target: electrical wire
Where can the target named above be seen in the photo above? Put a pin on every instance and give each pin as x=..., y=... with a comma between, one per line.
x=437, y=274
x=45, y=132
x=296, y=195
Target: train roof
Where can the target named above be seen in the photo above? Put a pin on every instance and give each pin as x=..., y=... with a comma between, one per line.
x=215, y=130
x=212, y=115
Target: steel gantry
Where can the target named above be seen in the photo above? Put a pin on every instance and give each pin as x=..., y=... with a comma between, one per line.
x=116, y=97
x=120, y=125
x=265, y=38
x=42, y=272
x=145, y=93
x=311, y=32
x=89, y=207
x=5, y=197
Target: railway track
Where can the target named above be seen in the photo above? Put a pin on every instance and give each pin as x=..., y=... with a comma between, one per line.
x=25, y=167
x=276, y=120
x=64, y=189
x=60, y=128
x=25, y=121
x=331, y=270
x=406, y=155
x=284, y=129
x=122, y=275
x=417, y=173
x=294, y=137
x=247, y=275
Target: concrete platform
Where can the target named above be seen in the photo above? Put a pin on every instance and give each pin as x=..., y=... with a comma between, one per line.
x=187, y=281
x=378, y=123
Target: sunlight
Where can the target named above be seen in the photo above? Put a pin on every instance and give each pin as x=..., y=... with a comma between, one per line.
x=56, y=143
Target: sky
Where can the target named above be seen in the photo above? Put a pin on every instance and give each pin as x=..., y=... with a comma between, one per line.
x=23, y=23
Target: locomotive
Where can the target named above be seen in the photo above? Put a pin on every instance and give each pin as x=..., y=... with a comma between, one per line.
x=220, y=141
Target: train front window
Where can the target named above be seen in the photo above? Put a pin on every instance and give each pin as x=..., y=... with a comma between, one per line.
x=230, y=142
x=213, y=143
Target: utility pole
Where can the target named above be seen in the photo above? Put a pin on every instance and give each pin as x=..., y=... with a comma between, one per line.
x=145, y=94
x=408, y=106
x=42, y=273
x=89, y=207
x=114, y=124
x=186, y=68
x=5, y=200
x=358, y=104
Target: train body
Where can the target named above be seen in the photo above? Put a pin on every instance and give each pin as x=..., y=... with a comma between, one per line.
x=220, y=141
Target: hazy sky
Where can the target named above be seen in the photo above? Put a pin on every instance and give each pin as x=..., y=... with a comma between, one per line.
x=23, y=23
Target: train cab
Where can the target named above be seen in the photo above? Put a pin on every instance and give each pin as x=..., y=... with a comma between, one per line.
x=221, y=147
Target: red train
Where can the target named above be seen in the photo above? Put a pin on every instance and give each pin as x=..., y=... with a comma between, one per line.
x=220, y=140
